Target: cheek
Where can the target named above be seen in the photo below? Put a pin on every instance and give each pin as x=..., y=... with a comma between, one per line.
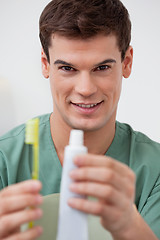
x=60, y=89
x=117, y=79
x=112, y=85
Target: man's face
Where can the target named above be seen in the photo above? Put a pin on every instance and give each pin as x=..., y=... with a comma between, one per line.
x=85, y=78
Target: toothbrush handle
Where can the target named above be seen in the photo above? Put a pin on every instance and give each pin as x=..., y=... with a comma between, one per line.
x=35, y=172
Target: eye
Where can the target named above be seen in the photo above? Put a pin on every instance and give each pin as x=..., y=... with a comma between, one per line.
x=102, y=68
x=66, y=68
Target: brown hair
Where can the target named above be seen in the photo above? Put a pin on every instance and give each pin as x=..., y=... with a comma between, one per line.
x=84, y=19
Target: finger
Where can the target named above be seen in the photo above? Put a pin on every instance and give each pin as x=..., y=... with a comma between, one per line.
x=111, y=217
x=27, y=235
x=99, y=175
x=98, y=208
x=12, y=204
x=87, y=206
x=99, y=160
x=104, y=176
x=91, y=207
x=102, y=192
x=12, y=221
x=29, y=186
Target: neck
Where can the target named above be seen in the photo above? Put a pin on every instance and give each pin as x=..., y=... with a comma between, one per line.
x=99, y=141
x=104, y=136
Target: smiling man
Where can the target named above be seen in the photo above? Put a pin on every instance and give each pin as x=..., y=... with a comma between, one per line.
x=86, y=53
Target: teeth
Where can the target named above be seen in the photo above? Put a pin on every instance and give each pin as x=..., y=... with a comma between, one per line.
x=87, y=105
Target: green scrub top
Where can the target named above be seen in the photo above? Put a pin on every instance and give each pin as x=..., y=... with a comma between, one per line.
x=132, y=148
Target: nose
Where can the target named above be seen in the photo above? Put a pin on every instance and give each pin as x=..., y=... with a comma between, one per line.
x=85, y=85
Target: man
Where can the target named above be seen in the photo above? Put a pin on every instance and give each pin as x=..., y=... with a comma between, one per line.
x=85, y=53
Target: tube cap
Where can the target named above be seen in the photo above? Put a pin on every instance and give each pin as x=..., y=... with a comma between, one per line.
x=76, y=138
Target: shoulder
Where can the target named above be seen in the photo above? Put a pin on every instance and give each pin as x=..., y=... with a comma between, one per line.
x=14, y=139
x=143, y=156
x=15, y=155
x=141, y=151
x=136, y=138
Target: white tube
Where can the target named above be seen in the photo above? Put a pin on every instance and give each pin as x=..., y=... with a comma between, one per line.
x=72, y=224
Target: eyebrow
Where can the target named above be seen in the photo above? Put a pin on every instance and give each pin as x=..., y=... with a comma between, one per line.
x=106, y=61
x=62, y=62
x=58, y=61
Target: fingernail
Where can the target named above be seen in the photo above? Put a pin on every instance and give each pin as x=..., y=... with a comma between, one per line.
x=39, y=199
x=39, y=212
x=78, y=160
x=39, y=230
x=73, y=187
x=36, y=185
x=73, y=173
x=70, y=201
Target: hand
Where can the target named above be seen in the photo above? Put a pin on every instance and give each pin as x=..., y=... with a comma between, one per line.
x=14, y=202
x=111, y=183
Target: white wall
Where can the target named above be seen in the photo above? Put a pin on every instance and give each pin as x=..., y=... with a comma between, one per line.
x=140, y=98
x=28, y=93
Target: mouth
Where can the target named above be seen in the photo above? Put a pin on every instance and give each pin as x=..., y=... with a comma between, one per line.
x=86, y=105
x=87, y=108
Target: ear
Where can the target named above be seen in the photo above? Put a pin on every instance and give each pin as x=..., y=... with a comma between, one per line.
x=45, y=64
x=127, y=62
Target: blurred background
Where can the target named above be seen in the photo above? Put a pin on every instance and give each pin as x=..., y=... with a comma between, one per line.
x=25, y=93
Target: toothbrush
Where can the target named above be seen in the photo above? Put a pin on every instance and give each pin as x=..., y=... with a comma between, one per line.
x=32, y=137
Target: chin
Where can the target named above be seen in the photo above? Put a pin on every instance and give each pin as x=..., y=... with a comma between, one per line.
x=86, y=125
